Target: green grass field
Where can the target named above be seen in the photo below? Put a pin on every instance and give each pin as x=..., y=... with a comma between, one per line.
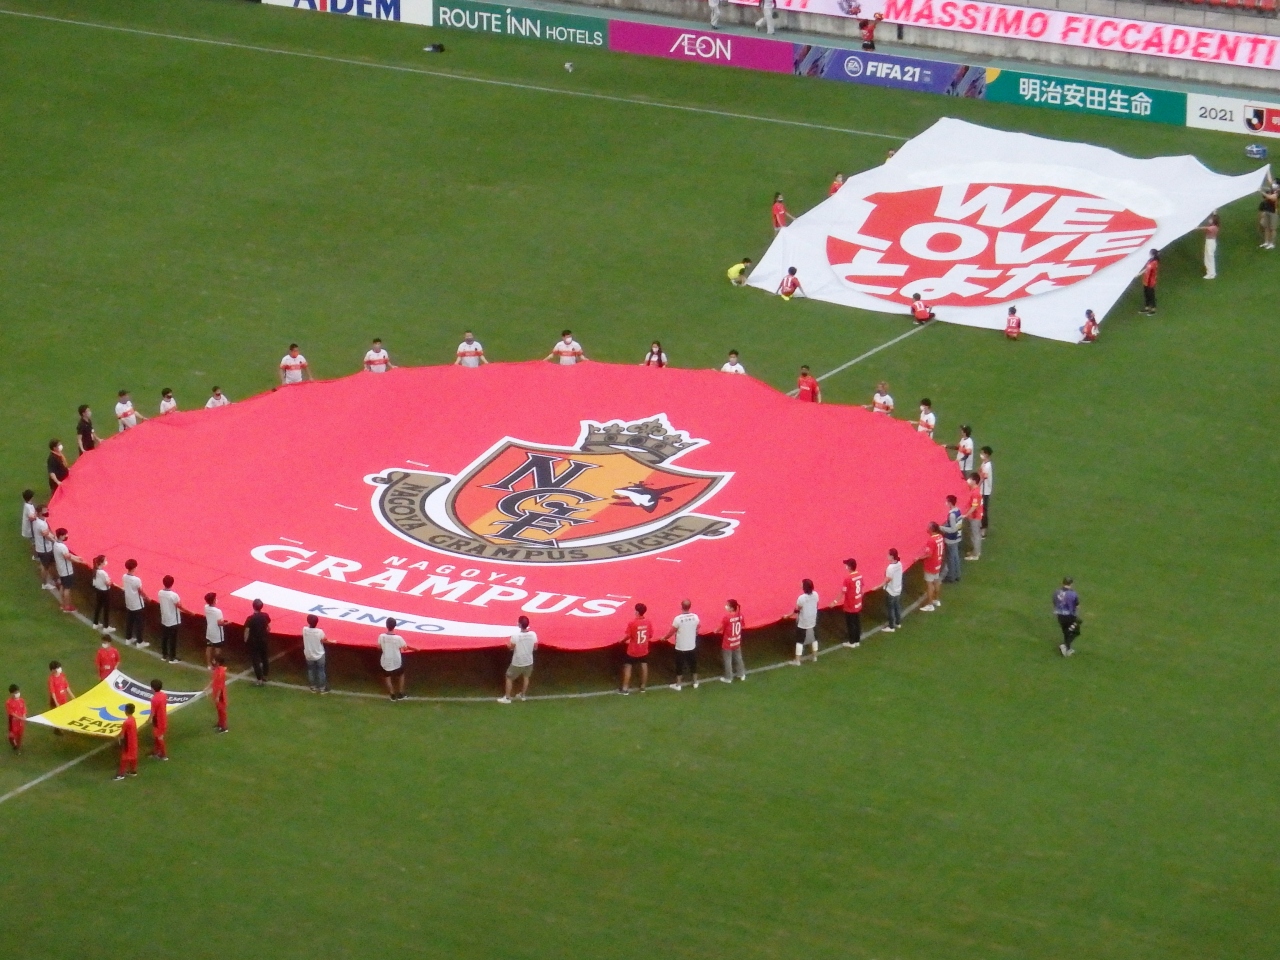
x=173, y=214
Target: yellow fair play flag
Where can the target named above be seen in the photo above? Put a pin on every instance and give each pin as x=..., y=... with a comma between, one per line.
x=100, y=711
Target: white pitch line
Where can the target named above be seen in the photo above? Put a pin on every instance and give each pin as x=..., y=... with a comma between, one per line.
x=872, y=352
x=510, y=84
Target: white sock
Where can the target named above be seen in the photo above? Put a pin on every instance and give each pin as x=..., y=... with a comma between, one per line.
x=799, y=650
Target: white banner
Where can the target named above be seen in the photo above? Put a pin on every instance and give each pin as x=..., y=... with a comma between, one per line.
x=1059, y=26
x=978, y=220
x=1250, y=117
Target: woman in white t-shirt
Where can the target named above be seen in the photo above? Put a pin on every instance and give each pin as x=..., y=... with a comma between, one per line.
x=893, y=592
x=392, y=645
x=806, y=614
x=313, y=652
x=655, y=357
x=522, y=644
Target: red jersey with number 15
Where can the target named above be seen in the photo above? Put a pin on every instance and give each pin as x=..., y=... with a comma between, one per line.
x=731, y=631
x=639, y=631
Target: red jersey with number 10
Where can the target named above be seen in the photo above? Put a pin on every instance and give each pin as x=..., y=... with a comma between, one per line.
x=639, y=631
x=731, y=631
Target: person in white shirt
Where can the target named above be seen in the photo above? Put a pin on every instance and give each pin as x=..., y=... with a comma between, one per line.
x=28, y=517
x=964, y=450
x=214, y=635
x=987, y=471
x=134, y=602
x=167, y=403
x=126, y=417
x=102, y=596
x=470, y=352
x=293, y=366
x=170, y=620
x=684, y=628
x=567, y=352
x=42, y=540
x=655, y=357
x=881, y=401
x=522, y=644
x=732, y=365
x=377, y=360
x=392, y=646
x=806, y=616
x=63, y=559
x=313, y=652
x=893, y=592
x=216, y=399
x=927, y=420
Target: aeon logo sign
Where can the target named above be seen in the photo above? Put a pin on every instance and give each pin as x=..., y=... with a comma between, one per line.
x=853, y=66
x=702, y=47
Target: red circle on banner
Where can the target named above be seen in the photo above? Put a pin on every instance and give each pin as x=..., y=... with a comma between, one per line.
x=984, y=244
x=457, y=499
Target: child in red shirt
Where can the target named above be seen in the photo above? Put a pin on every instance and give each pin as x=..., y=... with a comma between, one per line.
x=867, y=30
x=731, y=643
x=639, y=633
x=107, y=659
x=1013, y=324
x=59, y=688
x=850, y=602
x=1150, y=273
x=1089, y=332
x=933, y=569
x=16, y=708
x=807, y=388
x=159, y=720
x=128, y=745
x=218, y=692
x=790, y=285
x=778, y=212
x=921, y=312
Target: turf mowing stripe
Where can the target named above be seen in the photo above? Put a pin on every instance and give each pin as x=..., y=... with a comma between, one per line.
x=870, y=353
x=511, y=84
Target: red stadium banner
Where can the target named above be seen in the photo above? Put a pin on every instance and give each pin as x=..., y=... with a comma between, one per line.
x=457, y=499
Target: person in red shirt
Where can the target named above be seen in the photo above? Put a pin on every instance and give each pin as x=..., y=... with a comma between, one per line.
x=933, y=553
x=779, y=213
x=107, y=658
x=731, y=643
x=921, y=312
x=638, y=634
x=159, y=720
x=16, y=708
x=1089, y=332
x=867, y=29
x=973, y=513
x=218, y=691
x=1013, y=324
x=850, y=601
x=128, y=745
x=1150, y=273
x=790, y=285
x=836, y=184
x=807, y=388
x=59, y=687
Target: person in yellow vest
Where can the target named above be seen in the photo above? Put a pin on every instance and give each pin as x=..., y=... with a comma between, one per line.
x=738, y=272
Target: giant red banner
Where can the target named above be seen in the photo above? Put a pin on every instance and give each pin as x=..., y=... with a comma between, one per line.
x=456, y=499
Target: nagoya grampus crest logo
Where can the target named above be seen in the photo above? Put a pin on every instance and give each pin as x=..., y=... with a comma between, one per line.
x=979, y=244
x=612, y=496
